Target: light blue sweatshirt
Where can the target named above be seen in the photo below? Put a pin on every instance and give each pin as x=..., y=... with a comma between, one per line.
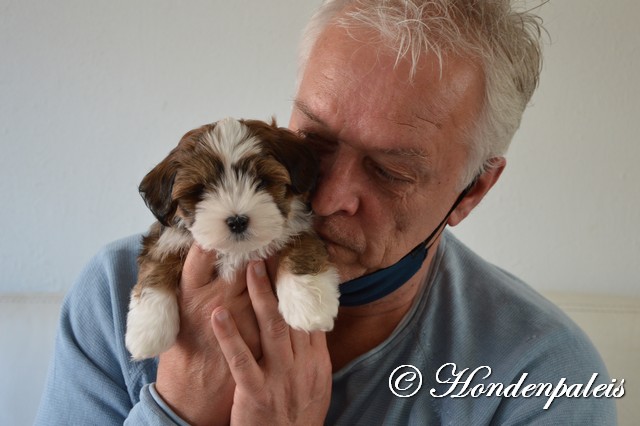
x=518, y=348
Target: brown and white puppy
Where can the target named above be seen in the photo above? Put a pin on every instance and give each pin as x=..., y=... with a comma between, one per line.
x=239, y=187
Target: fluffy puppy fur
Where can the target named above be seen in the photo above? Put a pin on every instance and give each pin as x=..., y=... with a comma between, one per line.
x=239, y=187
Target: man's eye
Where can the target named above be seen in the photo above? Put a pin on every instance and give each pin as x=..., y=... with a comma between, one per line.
x=262, y=184
x=385, y=175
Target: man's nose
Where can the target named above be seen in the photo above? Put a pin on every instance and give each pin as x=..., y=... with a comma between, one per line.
x=337, y=189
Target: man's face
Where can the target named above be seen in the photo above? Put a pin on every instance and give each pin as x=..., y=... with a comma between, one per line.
x=391, y=151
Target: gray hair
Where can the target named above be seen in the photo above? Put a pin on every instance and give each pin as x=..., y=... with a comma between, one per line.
x=505, y=41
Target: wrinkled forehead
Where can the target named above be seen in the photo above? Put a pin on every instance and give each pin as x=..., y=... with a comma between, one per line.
x=354, y=87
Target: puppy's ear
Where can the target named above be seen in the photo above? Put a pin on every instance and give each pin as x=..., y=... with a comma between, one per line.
x=299, y=160
x=292, y=152
x=156, y=188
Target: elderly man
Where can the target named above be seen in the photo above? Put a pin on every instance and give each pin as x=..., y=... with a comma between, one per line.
x=411, y=106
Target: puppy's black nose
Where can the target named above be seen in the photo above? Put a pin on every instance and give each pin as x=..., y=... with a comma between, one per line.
x=238, y=223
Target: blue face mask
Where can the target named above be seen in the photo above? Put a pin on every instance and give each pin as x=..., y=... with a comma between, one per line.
x=378, y=284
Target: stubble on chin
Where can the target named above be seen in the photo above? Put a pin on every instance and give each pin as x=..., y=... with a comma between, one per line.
x=339, y=234
x=344, y=244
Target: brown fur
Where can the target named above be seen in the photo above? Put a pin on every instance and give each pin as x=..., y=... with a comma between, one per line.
x=286, y=169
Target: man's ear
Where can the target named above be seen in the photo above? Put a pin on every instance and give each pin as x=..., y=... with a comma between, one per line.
x=480, y=188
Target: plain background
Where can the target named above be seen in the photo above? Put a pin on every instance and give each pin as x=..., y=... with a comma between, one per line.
x=94, y=93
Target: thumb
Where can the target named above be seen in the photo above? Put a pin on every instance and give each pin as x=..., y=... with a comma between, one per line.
x=199, y=268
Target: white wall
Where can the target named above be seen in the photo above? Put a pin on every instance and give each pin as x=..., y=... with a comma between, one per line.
x=566, y=214
x=94, y=93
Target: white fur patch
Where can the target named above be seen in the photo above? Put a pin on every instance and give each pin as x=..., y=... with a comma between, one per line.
x=172, y=241
x=238, y=195
x=152, y=324
x=299, y=219
x=211, y=231
x=231, y=141
x=309, y=302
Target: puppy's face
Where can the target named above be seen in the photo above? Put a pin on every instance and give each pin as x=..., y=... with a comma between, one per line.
x=232, y=184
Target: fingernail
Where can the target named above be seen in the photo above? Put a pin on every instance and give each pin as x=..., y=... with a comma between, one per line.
x=222, y=321
x=221, y=315
x=259, y=269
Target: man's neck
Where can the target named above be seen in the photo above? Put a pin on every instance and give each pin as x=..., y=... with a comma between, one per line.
x=358, y=329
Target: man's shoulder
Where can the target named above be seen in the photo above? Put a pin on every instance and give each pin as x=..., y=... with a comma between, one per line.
x=106, y=279
x=124, y=249
x=473, y=316
x=479, y=316
x=90, y=347
x=482, y=287
x=500, y=316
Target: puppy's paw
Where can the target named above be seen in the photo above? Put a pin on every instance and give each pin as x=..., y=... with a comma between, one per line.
x=309, y=302
x=153, y=323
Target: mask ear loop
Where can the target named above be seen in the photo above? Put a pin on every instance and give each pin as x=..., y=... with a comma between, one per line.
x=440, y=228
x=378, y=284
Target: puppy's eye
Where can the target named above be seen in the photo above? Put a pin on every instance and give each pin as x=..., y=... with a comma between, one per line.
x=262, y=185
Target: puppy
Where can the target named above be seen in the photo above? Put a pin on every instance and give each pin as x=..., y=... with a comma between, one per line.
x=240, y=188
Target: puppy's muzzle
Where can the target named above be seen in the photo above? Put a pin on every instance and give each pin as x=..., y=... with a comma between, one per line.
x=238, y=223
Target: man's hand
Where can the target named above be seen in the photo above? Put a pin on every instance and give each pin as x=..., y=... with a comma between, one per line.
x=290, y=384
x=193, y=376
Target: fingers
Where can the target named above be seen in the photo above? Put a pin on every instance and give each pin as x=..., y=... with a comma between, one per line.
x=274, y=331
x=299, y=394
x=318, y=339
x=295, y=365
x=199, y=268
x=242, y=364
x=278, y=339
